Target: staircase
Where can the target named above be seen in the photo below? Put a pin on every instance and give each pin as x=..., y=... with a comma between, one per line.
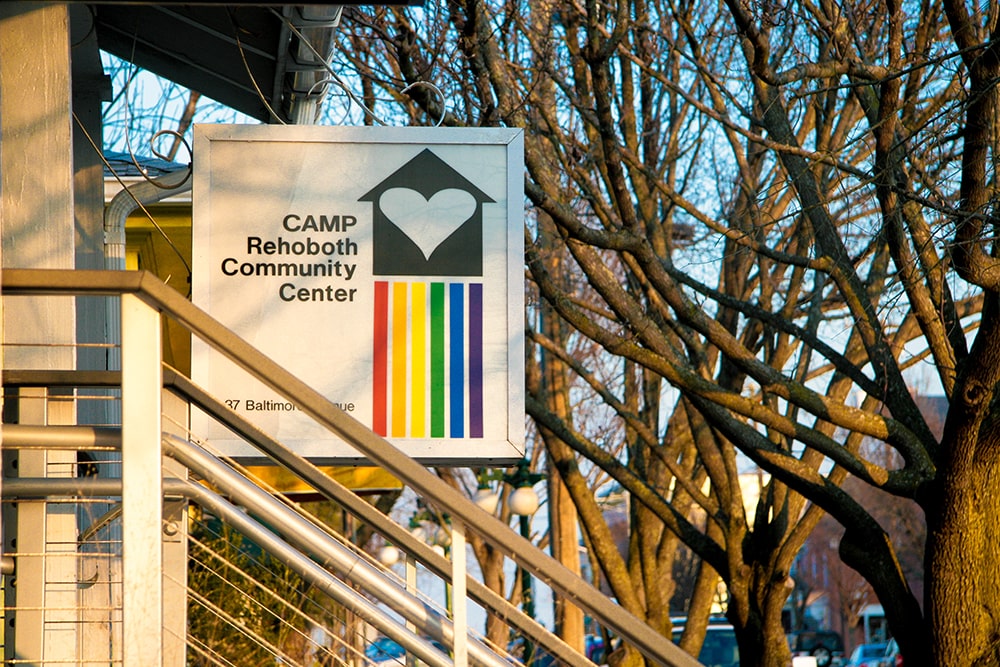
x=127, y=541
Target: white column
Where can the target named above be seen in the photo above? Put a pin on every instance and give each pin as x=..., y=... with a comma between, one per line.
x=37, y=231
x=36, y=178
x=26, y=634
x=175, y=544
x=459, y=603
x=142, y=485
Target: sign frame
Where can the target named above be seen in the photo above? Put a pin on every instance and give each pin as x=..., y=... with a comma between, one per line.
x=234, y=161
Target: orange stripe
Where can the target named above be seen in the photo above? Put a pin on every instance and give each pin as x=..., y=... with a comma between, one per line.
x=399, y=325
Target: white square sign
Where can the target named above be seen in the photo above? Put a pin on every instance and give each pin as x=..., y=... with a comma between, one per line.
x=383, y=267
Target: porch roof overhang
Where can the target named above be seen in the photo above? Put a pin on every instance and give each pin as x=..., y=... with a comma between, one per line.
x=251, y=57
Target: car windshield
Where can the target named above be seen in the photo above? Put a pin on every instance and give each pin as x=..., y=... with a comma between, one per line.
x=808, y=641
x=383, y=648
x=719, y=649
x=869, y=651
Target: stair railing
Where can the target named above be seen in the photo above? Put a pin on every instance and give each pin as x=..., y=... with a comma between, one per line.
x=144, y=299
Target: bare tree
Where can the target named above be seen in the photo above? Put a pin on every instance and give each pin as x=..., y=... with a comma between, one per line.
x=145, y=106
x=767, y=217
x=777, y=210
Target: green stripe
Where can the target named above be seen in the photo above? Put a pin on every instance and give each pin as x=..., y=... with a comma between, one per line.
x=437, y=360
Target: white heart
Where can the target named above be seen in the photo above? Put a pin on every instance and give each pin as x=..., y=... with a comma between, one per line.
x=428, y=222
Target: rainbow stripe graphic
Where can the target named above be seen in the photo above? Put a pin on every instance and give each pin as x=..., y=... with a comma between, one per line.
x=428, y=360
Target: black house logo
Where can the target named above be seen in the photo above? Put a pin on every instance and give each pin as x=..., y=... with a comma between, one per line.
x=428, y=221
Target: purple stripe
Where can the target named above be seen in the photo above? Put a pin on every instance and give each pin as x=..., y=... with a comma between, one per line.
x=476, y=360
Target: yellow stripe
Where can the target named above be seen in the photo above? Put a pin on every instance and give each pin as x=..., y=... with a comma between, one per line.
x=418, y=356
x=399, y=326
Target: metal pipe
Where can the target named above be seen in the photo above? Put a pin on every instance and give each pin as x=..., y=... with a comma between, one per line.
x=122, y=205
x=314, y=573
x=393, y=532
x=312, y=540
x=42, y=488
x=296, y=529
x=379, y=451
x=128, y=200
x=85, y=438
x=309, y=570
x=306, y=71
x=16, y=436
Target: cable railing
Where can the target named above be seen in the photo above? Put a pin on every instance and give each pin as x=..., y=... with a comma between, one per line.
x=427, y=631
x=247, y=514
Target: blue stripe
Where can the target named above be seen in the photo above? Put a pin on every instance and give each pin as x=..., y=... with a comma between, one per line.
x=456, y=357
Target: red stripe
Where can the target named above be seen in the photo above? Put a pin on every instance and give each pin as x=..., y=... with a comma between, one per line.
x=380, y=363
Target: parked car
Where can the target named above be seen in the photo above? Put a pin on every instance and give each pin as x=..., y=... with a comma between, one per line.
x=388, y=652
x=595, y=649
x=384, y=649
x=867, y=655
x=826, y=647
x=719, y=648
x=892, y=656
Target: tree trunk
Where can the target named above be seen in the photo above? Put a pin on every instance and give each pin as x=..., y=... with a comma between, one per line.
x=700, y=608
x=964, y=565
x=963, y=560
x=497, y=630
x=762, y=642
x=565, y=549
x=964, y=537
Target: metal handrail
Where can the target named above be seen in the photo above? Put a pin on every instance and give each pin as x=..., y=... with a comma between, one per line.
x=326, y=486
x=296, y=530
x=156, y=294
x=308, y=538
x=308, y=569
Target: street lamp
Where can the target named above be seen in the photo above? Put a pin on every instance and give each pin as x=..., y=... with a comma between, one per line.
x=388, y=555
x=484, y=497
x=523, y=501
